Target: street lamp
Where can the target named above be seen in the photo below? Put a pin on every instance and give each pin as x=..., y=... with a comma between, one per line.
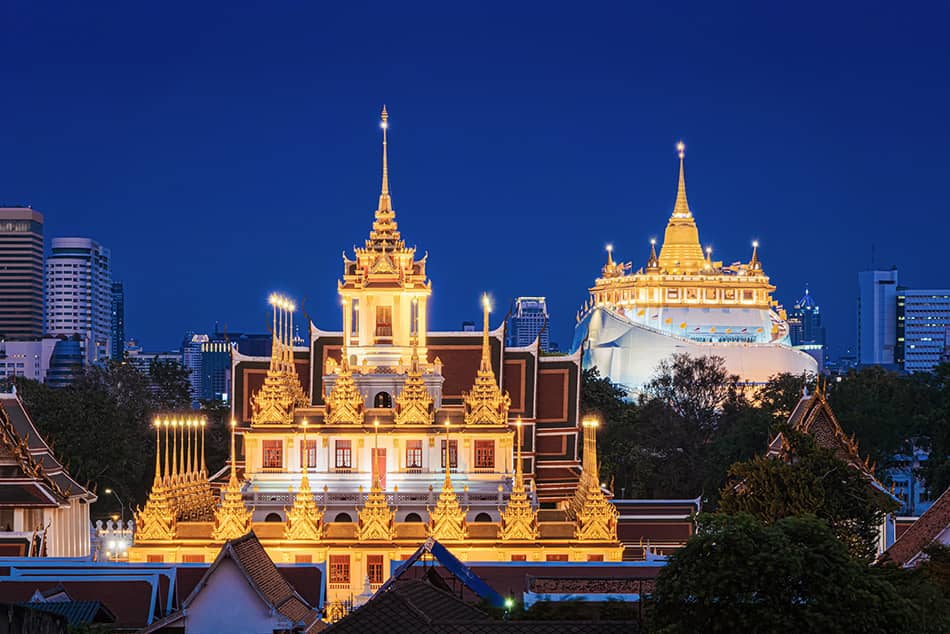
x=121, y=504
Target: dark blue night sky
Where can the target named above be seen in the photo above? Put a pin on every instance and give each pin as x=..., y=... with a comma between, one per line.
x=223, y=153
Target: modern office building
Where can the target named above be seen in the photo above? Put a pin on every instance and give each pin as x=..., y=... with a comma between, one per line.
x=805, y=330
x=528, y=321
x=118, y=321
x=27, y=359
x=208, y=359
x=21, y=273
x=67, y=361
x=923, y=321
x=79, y=294
x=877, y=317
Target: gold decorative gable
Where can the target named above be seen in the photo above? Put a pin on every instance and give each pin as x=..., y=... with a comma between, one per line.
x=519, y=522
x=232, y=519
x=377, y=522
x=304, y=519
x=344, y=402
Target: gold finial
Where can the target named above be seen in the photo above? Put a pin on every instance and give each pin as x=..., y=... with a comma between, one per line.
x=681, y=207
x=755, y=254
x=610, y=255
x=233, y=477
x=204, y=468
x=486, y=308
x=175, y=448
x=652, y=263
x=384, y=195
x=486, y=403
x=158, y=451
x=167, y=470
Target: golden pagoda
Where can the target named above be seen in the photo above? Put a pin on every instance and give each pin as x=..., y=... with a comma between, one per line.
x=414, y=404
x=519, y=521
x=376, y=520
x=274, y=403
x=304, y=519
x=447, y=519
x=157, y=521
x=684, y=301
x=232, y=518
x=596, y=517
x=486, y=404
x=344, y=403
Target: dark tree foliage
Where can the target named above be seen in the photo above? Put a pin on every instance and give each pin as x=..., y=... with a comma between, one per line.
x=738, y=574
x=218, y=439
x=814, y=482
x=170, y=382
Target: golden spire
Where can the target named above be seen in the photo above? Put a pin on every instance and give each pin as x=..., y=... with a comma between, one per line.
x=414, y=404
x=376, y=520
x=385, y=233
x=304, y=519
x=754, y=263
x=519, y=521
x=486, y=404
x=156, y=522
x=166, y=470
x=653, y=262
x=175, y=450
x=597, y=517
x=681, y=252
x=344, y=403
x=610, y=255
x=274, y=402
x=447, y=519
x=384, y=200
x=232, y=519
x=204, y=468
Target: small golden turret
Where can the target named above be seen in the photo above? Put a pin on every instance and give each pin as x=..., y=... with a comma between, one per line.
x=596, y=517
x=486, y=404
x=156, y=522
x=304, y=519
x=447, y=519
x=274, y=403
x=232, y=518
x=519, y=521
x=414, y=404
x=344, y=403
x=681, y=252
x=754, y=263
x=376, y=520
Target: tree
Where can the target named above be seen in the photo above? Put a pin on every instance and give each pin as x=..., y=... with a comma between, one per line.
x=694, y=388
x=170, y=381
x=739, y=574
x=813, y=481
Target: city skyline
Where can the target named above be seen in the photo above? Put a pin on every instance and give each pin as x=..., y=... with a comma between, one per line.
x=181, y=177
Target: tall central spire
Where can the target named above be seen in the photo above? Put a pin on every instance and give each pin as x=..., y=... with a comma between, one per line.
x=385, y=202
x=681, y=252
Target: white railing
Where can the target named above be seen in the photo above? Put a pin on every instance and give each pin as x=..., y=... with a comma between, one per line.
x=111, y=540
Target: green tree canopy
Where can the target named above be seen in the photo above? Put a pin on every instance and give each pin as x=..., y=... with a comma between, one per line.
x=813, y=481
x=738, y=574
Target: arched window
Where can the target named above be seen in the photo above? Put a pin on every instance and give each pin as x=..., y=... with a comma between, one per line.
x=273, y=517
x=383, y=399
x=342, y=517
x=483, y=517
x=413, y=517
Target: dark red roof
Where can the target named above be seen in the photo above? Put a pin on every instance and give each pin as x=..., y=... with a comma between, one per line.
x=130, y=601
x=921, y=533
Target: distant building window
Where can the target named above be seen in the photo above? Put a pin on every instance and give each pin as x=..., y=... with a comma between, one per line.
x=155, y=559
x=484, y=454
x=519, y=558
x=374, y=568
x=453, y=454
x=340, y=569
x=413, y=454
x=595, y=557
x=308, y=455
x=556, y=558
x=344, y=454
x=383, y=399
x=273, y=454
x=193, y=559
x=303, y=559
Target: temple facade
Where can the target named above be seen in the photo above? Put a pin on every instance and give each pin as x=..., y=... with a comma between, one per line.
x=684, y=301
x=359, y=446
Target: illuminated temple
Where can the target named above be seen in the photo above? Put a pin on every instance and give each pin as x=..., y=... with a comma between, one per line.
x=683, y=301
x=356, y=448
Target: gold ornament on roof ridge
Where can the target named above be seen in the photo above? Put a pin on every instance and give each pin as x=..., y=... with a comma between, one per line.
x=519, y=521
x=344, y=403
x=486, y=404
x=156, y=522
x=232, y=519
x=447, y=519
x=414, y=404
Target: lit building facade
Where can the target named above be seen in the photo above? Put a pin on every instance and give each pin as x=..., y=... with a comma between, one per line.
x=877, y=317
x=79, y=294
x=923, y=324
x=27, y=359
x=21, y=273
x=117, y=325
x=684, y=301
x=361, y=444
x=529, y=321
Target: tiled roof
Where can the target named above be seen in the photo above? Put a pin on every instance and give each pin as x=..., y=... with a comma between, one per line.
x=260, y=570
x=589, y=585
x=420, y=608
x=921, y=533
x=76, y=612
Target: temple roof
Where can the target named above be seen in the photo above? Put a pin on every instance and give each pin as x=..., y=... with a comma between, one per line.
x=926, y=530
x=38, y=478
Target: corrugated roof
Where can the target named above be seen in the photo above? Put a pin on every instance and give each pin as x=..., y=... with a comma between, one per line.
x=76, y=612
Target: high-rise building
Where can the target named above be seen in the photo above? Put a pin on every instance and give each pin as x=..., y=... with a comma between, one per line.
x=79, y=294
x=27, y=359
x=118, y=321
x=21, y=273
x=923, y=320
x=208, y=360
x=877, y=316
x=191, y=361
x=528, y=321
x=805, y=330
x=67, y=361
